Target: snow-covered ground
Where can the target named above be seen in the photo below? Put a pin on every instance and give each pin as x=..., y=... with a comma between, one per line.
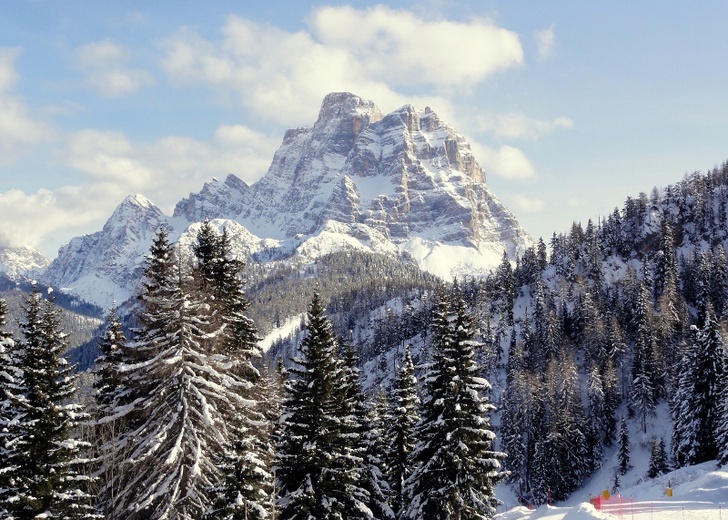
x=698, y=492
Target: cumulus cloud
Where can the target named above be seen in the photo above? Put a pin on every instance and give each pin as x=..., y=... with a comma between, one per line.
x=529, y=204
x=506, y=162
x=545, y=39
x=400, y=48
x=8, y=74
x=19, y=129
x=171, y=167
x=379, y=53
x=106, y=70
x=114, y=166
x=514, y=125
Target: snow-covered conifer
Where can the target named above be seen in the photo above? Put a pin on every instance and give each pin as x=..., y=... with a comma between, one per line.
x=47, y=472
x=455, y=467
x=624, y=450
x=698, y=397
x=404, y=415
x=317, y=471
x=185, y=393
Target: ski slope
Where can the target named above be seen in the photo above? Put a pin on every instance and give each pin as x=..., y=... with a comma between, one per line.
x=698, y=493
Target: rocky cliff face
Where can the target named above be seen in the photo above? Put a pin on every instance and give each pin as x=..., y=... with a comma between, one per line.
x=403, y=182
x=104, y=266
x=407, y=175
x=22, y=263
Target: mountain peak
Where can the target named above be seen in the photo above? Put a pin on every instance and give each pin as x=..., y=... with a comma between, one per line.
x=342, y=118
x=216, y=200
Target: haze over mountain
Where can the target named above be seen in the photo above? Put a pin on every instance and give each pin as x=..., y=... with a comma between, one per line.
x=400, y=183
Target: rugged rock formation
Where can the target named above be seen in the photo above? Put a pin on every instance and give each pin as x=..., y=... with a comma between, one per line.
x=405, y=182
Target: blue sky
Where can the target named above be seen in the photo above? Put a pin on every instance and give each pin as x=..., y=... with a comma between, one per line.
x=570, y=106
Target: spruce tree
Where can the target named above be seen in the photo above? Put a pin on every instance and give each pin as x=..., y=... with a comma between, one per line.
x=9, y=376
x=108, y=412
x=404, y=416
x=698, y=397
x=247, y=484
x=374, y=484
x=455, y=467
x=317, y=472
x=185, y=389
x=623, y=453
x=658, y=459
x=47, y=472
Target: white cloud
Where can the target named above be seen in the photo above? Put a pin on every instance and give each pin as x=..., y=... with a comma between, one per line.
x=171, y=167
x=528, y=204
x=514, y=125
x=39, y=215
x=400, y=48
x=506, y=162
x=8, y=74
x=545, y=40
x=378, y=53
x=106, y=70
x=19, y=129
x=114, y=167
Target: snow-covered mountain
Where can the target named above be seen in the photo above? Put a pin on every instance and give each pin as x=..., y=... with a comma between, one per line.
x=401, y=183
x=22, y=262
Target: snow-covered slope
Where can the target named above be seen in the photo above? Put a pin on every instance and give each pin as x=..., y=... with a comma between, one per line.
x=406, y=175
x=22, y=262
x=698, y=492
x=103, y=267
x=399, y=183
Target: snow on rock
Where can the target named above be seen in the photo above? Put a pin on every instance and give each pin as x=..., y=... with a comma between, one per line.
x=104, y=266
x=403, y=182
x=22, y=262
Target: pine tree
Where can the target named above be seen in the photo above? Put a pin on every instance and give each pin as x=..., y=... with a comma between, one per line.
x=404, y=416
x=698, y=397
x=455, y=468
x=317, y=473
x=47, y=471
x=521, y=428
x=658, y=459
x=9, y=376
x=568, y=452
x=623, y=454
x=372, y=427
x=186, y=391
x=247, y=484
x=108, y=412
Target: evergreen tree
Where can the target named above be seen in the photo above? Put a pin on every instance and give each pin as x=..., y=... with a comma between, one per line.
x=372, y=427
x=658, y=459
x=9, y=376
x=521, y=428
x=404, y=415
x=316, y=472
x=107, y=422
x=698, y=397
x=455, y=468
x=186, y=390
x=47, y=473
x=247, y=484
x=568, y=452
x=623, y=454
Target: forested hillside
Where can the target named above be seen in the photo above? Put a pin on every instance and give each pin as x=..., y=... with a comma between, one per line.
x=391, y=377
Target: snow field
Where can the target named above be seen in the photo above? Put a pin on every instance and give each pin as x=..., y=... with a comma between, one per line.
x=699, y=493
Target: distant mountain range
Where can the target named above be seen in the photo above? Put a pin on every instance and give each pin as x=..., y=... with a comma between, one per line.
x=404, y=183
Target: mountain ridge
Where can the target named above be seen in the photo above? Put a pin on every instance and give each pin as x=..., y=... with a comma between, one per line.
x=397, y=183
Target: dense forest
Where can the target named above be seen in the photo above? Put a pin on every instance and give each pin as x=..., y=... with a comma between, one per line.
x=380, y=405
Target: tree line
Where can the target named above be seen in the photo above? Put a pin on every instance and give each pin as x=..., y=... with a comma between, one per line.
x=184, y=419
